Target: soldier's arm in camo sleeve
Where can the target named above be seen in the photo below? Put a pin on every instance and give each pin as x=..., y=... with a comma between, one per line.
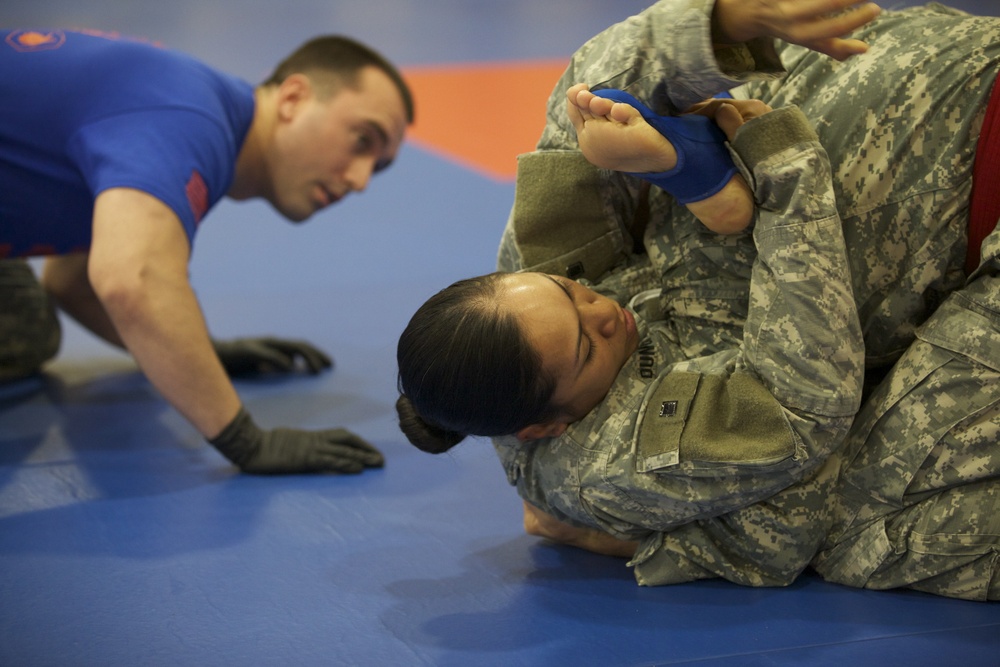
x=803, y=347
x=571, y=218
x=768, y=543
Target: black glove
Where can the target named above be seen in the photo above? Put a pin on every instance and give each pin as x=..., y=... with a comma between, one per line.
x=285, y=450
x=246, y=357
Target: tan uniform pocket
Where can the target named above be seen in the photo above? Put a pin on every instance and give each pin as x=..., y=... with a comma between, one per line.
x=712, y=421
x=559, y=222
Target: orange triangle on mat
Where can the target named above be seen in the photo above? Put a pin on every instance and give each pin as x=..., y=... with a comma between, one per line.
x=482, y=116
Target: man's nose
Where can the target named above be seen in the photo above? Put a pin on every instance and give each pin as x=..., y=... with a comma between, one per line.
x=359, y=173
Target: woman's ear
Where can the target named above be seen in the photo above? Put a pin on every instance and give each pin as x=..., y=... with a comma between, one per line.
x=551, y=429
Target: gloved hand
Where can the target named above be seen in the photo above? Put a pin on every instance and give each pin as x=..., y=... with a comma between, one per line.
x=246, y=357
x=284, y=450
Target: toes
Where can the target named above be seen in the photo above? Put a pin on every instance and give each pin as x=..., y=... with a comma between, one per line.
x=623, y=113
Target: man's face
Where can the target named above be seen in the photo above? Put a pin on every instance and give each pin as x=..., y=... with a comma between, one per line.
x=325, y=149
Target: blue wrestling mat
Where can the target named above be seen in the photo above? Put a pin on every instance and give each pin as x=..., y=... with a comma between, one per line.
x=126, y=540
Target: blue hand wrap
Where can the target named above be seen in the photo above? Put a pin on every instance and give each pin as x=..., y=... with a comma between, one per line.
x=695, y=138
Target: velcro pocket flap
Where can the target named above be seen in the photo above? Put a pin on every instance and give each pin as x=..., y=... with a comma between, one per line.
x=560, y=225
x=712, y=421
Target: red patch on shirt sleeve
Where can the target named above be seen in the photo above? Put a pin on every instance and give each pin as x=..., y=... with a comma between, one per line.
x=40, y=250
x=197, y=194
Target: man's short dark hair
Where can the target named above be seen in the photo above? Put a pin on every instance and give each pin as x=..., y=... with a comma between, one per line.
x=343, y=58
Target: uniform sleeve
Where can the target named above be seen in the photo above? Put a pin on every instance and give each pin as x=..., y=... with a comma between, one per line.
x=803, y=336
x=768, y=543
x=803, y=356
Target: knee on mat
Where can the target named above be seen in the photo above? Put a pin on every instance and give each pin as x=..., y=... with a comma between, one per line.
x=30, y=333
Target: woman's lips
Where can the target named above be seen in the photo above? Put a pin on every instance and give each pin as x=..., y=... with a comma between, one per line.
x=630, y=327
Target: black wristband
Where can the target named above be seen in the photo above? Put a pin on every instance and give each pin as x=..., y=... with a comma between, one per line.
x=238, y=441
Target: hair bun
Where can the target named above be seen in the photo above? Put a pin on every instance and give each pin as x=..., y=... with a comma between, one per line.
x=426, y=437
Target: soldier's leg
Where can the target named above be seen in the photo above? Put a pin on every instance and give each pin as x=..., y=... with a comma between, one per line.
x=918, y=502
x=948, y=544
x=946, y=540
x=29, y=329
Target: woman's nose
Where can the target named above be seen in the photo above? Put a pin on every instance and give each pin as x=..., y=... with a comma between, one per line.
x=602, y=314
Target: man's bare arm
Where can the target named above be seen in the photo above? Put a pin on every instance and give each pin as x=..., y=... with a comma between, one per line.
x=65, y=279
x=138, y=268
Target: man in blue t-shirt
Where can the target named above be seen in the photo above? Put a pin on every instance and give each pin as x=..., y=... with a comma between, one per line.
x=112, y=151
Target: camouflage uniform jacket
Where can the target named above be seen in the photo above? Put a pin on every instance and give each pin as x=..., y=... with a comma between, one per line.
x=678, y=454
x=902, y=179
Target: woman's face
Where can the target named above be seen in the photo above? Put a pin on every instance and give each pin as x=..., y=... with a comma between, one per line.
x=582, y=338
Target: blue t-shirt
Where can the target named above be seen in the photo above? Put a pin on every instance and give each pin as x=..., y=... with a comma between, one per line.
x=84, y=112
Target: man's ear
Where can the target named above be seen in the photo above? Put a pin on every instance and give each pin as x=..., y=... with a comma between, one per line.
x=294, y=90
x=551, y=429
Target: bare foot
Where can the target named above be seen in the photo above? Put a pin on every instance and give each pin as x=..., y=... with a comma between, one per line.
x=729, y=210
x=614, y=135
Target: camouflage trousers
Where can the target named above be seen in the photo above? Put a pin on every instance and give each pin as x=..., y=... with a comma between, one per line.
x=29, y=329
x=918, y=503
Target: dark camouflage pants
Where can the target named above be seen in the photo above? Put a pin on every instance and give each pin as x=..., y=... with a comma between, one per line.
x=918, y=503
x=29, y=329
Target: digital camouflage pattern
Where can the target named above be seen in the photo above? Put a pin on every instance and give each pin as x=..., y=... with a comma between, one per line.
x=29, y=329
x=918, y=503
x=678, y=443
x=900, y=126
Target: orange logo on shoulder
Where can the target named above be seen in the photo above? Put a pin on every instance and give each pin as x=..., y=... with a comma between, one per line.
x=34, y=40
